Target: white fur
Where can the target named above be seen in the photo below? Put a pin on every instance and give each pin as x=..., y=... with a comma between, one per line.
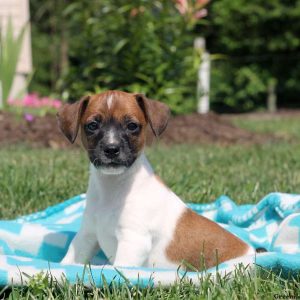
x=112, y=137
x=112, y=170
x=109, y=101
x=131, y=215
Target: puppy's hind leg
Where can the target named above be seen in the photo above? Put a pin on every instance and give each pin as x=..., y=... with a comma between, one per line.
x=82, y=248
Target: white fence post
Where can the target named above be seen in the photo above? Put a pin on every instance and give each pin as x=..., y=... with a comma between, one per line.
x=203, y=84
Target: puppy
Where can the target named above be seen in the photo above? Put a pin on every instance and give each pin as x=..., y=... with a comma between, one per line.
x=130, y=214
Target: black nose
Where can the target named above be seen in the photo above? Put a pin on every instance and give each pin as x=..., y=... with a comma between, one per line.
x=112, y=150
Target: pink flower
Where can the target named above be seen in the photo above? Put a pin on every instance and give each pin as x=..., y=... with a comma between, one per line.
x=182, y=6
x=200, y=13
x=45, y=102
x=56, y=103
x=29, y=117
x=10, y=101
x=192, y=10
x=31, y=100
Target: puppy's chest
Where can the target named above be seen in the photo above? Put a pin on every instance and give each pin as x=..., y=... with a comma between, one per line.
x=112, y=218
x=106, y=219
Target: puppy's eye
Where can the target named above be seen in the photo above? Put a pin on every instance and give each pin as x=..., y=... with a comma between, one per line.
x=132, y=126
x=92, y=126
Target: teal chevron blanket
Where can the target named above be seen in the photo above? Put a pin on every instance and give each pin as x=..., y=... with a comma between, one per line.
x=37, y=242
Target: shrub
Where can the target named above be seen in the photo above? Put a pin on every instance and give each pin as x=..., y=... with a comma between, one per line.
x=147, y=46
x=261, y=41
x=49, y=45
x=137, y=46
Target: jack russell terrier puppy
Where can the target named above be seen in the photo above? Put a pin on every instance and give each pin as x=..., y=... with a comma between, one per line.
x=130, y=214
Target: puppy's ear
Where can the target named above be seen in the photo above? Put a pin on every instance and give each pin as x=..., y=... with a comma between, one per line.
x=69, y=116
x=157, y=114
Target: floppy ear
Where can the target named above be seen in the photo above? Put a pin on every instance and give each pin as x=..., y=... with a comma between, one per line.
x=156, y=113
x=69, y=116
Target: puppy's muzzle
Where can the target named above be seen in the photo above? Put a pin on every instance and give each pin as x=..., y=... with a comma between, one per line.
x=112, y=150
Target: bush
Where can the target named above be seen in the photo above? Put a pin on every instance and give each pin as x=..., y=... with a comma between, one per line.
x=261, y=41
x=48, y=34
x=136, y=46
x=147, y=46
x=139, y=46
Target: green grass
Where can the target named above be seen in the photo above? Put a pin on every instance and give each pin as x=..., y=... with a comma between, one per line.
x=282, y=126
x=242, y=285
x=31, y=180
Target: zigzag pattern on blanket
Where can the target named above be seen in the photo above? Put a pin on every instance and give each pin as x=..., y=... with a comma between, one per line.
x=34, y=242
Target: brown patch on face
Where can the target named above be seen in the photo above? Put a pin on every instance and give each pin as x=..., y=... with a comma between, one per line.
x=202, y=243
x=69, y=116
x=115, y=105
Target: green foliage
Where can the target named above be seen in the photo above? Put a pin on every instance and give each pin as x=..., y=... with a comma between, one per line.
x=137, y=46
x=147, y=46
x=10, y=48
x=261, y=40
x=237, y=87
x=49, y=45
x=242, y=284
x=38, y=283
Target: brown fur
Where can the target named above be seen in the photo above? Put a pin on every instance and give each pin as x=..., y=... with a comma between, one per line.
x=202, y=243
x=123, y=104
x=136, y=106
x=69, y=117
x=157, y=113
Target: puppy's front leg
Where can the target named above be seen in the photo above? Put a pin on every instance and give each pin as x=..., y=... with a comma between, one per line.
x=133, y=249
x=82, y=248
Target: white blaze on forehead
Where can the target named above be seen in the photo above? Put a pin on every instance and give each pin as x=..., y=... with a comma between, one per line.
x=111, y=136
x=109, y=101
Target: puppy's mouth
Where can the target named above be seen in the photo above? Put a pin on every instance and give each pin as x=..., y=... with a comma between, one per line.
x=111, y=163
x=102, y=159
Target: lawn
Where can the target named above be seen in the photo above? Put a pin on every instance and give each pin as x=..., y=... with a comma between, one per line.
x=282, y=125
x=31, y=179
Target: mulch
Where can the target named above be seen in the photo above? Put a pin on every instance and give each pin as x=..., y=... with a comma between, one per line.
x=210, y=129
x=192, y=129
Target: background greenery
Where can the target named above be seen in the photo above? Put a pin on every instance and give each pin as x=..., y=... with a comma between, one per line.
x=138, y=46
x=261, y=42
x=147, y=46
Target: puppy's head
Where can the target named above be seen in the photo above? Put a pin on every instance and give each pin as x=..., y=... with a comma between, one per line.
x=113, y=127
